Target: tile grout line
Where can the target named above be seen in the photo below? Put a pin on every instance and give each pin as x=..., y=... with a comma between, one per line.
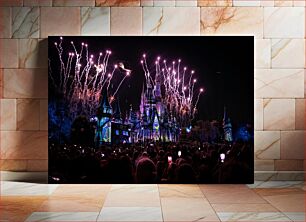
x=161, y=209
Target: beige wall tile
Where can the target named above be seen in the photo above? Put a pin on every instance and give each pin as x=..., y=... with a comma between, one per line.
x=28, y=114
x=186, y=3
x=278, y=22
x=162, y=3
x=37, y=2
x=8, y=53
x=43, y=116
x=25, y=22
x=263, y=53
x=95, y=21
x=219, y=3
x=264, y=165
x=74, y=3
x=246, y=3
x=305, y=82
x=267, y=3
x=280, y=3
x=299, y=3
x=279, y=114
x=24, y=144
x=54, y=21
x=300, y=114
x=4, y=3
x=1, y=83
x=279, y=83
x=289, y=165
x=232, y=20
x=117, y=2
x=258, y=114
x=37, y=165
x=160, y=21
x=33, y=53
x=119, y=18
x=25, y=83
x=283, y=50
x=5, y=22
x=292, y=145
x=267, y=145
x=146, y=2
x=13, y=165
x=8, y=114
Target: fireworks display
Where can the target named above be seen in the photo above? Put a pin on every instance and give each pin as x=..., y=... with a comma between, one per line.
x=178, y=86
x=82, y=77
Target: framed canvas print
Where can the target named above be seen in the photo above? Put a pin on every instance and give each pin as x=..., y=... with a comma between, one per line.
x=167, y=109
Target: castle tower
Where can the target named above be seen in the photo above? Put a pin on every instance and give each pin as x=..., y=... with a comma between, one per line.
x=227, y=127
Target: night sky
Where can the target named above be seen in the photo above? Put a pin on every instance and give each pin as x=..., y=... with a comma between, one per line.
x=224, y=66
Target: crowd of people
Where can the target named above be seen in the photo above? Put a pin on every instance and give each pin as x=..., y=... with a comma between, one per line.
x=184, y=162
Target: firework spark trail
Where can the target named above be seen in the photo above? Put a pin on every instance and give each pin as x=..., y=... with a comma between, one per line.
x=83, y=83
x=178, y=93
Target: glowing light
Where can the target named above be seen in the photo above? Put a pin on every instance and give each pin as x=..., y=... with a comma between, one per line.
x=185, y=68
x=100, y=53
x=158, y=58
x=91, y=56
x=109, y=75
x=71, y=42
x=61, y=38
x=86, y=45
x=141, y=61
x=192, y=71
x=55, y=43
x=82, y=43
x=173, y=62
x=201, y=90
x=179, y=60
x=116, y=66
x=185, y=88
x=144, y=55
x=128, y=73
x=109, y=52
x=194, y=80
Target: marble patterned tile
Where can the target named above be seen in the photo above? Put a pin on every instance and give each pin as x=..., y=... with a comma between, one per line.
x=5, y=3
x=130, y=214
x=183, y=191
x=292, y=145
x=146, y=2
x=95, y=21
x=25, y=83
x=283, y=50
x=126, y=3
x=230, y=194
x=305, y=83
x=63, y=216
x=263, y=207
x=8, y=114
x=9, y=53
x=289, y=165
x=295, y=216
x=186, y=3
x=119, y=16
x=253, y=216
x=5, y=22
x=43, y=114
x=277, y=184
x=285, y=200
x=54, y=21
x=267, y=145
x=37, y=165
x=27, y=114
x=69, y=3
x=263, y=53
x=92, y=191
x=232, y=20
x=71, y=204
x=22, y=144
x=263, y=165
x=33, y=53
x=283, y=3
x=18, y=208
x=133, y=196
x=279, y=175
x=187, y=209
x=9, y=188
x=37, y=2
x=278, y=22
x=300, y=114
x=279, y=83
x=1, y=83
x=258, y=114
x=25, y=22
x=279, y=114
x=249, y=3
x=13, y=165
x=164, y=3
x=211, y=3
x=169, y=20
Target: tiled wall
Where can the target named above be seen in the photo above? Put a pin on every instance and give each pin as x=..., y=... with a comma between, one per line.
x=279, y=28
